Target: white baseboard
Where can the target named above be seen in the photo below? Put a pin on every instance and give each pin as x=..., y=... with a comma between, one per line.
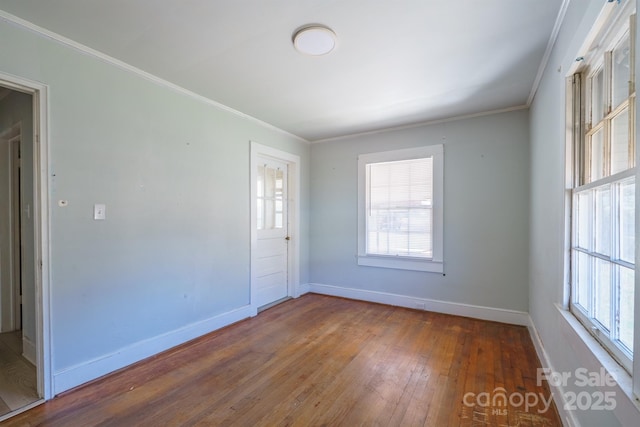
x=475, y=311
x=557, y=391
x=73, y=376
x=304, y=288
x=29, y=350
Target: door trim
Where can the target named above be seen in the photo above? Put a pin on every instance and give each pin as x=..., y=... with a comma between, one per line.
x=293, y=206
x=16, y=227
x=41, y=204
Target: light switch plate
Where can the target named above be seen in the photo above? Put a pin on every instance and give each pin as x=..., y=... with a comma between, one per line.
x=99, y=211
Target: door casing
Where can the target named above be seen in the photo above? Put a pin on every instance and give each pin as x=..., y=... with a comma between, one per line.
x=41, y=205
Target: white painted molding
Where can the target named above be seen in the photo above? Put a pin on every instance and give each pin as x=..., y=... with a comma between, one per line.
x=125, y=66
x=557, y=391
x=304, y=288
x=40, y=95
x=29, y=351
x=547, y=53
x=474, y=311
x=74, y=376
x=423, y=123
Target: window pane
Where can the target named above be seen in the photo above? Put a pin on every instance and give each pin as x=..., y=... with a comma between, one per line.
x=627, y=220
x=597, y=156
x=269, y=180
x=420, y=237
x=269, y=214
x=279, y=215
x=620, y=142
x=261, y=181
x=597, y=97
x=621, y=72
x=582, y=268
x=583, y=217
x=627, y=281
x=603, y=220
x=603, y=292
x=279, y=199
x=400, y=200
x=260, y=199
x=260, y=216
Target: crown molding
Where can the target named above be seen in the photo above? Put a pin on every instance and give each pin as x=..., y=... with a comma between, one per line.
x=12, y=19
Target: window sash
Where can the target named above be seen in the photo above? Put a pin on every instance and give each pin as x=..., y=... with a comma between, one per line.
x=399, y=220
x=599, y=302
x=431, y=262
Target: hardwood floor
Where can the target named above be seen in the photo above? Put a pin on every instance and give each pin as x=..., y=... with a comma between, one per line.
x=18, y=379
x=321, y=361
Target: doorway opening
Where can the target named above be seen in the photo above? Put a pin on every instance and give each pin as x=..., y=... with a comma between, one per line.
x=24, y=351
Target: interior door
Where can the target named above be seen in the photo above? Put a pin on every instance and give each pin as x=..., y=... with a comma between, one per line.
x=271, y=269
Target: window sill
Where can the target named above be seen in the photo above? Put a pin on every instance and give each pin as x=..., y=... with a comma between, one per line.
x=400, y=263
x=628, y=406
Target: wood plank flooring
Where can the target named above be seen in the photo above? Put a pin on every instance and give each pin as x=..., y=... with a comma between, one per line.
x=17, y=376
x=320, y=361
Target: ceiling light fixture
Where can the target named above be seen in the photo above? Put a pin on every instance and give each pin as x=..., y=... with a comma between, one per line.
x=314, y=40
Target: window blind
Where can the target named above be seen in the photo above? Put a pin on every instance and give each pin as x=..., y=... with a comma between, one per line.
x=400, y=208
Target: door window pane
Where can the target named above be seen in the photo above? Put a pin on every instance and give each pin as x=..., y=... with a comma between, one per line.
x=279, y=199
x=260, y=199
x=269, y=217
x=260, y=206
x=270, y=201
x=269, y=180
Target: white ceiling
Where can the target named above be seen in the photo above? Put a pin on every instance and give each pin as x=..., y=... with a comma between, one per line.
x=396, y=63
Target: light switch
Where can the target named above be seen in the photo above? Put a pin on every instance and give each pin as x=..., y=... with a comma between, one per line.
x=99, y=211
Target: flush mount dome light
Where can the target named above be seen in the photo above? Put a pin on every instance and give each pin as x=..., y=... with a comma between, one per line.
x=314, y=40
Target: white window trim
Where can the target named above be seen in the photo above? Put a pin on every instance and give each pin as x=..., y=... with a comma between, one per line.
x=436, y=263
x=628, y=381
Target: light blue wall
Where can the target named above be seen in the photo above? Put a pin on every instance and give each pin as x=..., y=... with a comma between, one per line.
x=565, y=350
x=486, y=183
x=174, y=175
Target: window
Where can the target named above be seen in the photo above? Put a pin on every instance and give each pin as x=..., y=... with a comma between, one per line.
x=603, y=190
x=400, y=209
x=270, y=196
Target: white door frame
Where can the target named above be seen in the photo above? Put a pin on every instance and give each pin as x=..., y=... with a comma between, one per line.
x=39, y=92
x=16, y=228
x=293, y=206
